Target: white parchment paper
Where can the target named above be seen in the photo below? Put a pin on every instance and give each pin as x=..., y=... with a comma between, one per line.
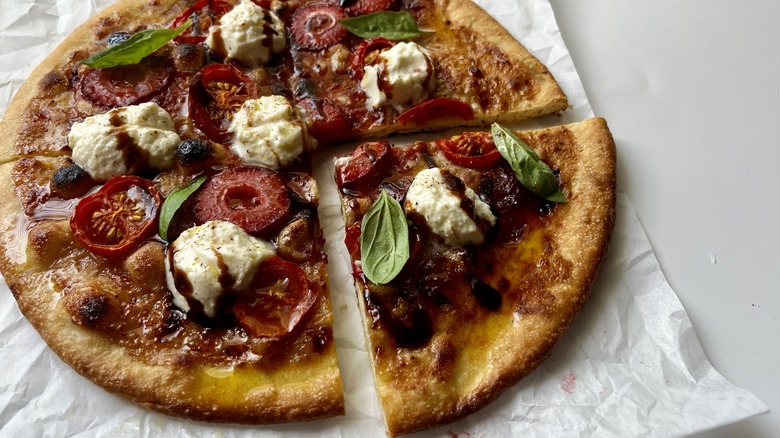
x=629, y=366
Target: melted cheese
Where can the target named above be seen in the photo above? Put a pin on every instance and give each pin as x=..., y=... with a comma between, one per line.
x=248, y=33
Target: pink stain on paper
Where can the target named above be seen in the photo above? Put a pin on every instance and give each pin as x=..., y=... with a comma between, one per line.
x=568, y=383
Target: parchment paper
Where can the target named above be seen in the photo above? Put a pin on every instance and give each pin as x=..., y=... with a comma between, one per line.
x=629, y=366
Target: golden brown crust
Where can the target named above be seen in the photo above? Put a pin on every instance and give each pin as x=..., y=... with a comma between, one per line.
x=544, y=281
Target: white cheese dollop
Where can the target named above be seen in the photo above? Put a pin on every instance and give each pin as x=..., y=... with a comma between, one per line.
x=205, y=253
x=406, y=70
x=267, y=133
x=430, y=196
x=105, y=145
x=249, y=34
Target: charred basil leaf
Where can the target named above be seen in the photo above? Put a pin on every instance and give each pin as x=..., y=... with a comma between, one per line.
x=384, y=240
x=174, y=201
x=529, y=169
x=135, y=48
x=391, y=25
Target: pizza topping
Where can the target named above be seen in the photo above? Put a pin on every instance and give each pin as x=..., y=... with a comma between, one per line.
x=135, y=48
x=117, y=217
x=384, y=240
x=117, y=38
x=470, y=149
x=174, y=201
x=363, y=7
x=215, y=96
x=203, y=14
x=253, y=198
x=267, y=132
x=127, y=85
x=529, y=169
x=401, y=76
x=316, y=26
x=451, y=211
x=70, y=182
x=124, y=140
x=278, y=298
x=365, y=51
x=390, y=25
x=360, y=169
x=208, y=262
x=248, y=33
x=193, y=151
x=445, y=108
x=189, y=57
x=325, y=121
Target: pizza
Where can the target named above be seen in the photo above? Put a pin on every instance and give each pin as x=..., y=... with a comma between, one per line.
x=162, y=232
x=467, y=273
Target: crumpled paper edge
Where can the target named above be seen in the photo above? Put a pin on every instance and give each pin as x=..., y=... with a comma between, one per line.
x=675, y=391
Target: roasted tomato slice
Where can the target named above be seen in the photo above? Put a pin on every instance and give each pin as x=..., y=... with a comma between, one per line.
x=117, y=217
x=204, y=14
x=317, y=26
x=279, y=297
x=363, y=7
x=437, y=108
x=363, y=50
x=128, y=84
x=254, y=198
x=216, y=95
x=328, y=123
x=360, y=168
x=471, y=149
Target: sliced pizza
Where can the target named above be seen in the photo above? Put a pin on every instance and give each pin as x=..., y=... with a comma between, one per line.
x=471, y=256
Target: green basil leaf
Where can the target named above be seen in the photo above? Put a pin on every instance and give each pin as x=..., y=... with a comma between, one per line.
x=384, y=240
x=529, y=169
x=174, y=201
x=391, y=25
x=136, y=48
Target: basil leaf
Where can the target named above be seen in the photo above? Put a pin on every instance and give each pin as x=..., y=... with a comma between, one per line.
x=391, y=25
x=174, y=201
x=531, y=171
x=136, y=48
x=384, y=240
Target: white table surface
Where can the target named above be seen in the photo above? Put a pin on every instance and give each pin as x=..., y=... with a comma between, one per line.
x=691, y=91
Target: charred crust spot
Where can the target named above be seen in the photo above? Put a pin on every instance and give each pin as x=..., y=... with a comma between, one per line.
x=70, y=182
x=486, y=296
x=537, y=301
x=322, y=340
x=90, y=310
x=194, y=151
x=52, y=84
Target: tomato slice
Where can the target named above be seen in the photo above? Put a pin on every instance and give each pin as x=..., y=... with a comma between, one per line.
x=127, y=84
x=117, y=217
x=329, y=124
x=471, y=149
x=216, y=95
x=254, y=198
x=360, y=168
x=365, y=48
x=279, y=297
x=437, y=108
x=204, y=13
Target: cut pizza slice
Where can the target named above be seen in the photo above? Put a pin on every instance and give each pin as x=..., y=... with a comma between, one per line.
x=471, y=257
x=410, y=66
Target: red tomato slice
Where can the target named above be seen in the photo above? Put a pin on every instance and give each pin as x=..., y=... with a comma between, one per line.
x=279, y=297
x=328, y=123
x=204, y=13
x=128, y=84
x=364, y=7
x=216, y=95
x=358, y=61
x=363, y=166
x=316, y=26
x=254, y=198
x=471, y=149
x=437, y=108
x=117, y=217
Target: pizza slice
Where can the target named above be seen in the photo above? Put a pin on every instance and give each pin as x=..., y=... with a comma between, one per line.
x=471, y=256
x=379, y=67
